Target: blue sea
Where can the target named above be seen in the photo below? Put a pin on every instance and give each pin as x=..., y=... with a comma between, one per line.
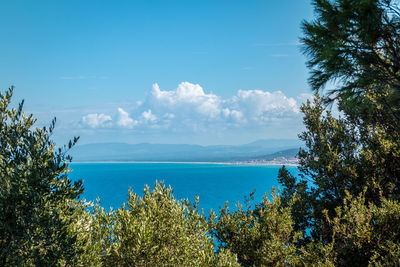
x=214, y=183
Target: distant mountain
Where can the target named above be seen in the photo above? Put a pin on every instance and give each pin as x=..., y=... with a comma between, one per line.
x=261, y=149
x=275, y=144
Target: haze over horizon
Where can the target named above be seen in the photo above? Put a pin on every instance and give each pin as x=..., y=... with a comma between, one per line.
x=175, y=72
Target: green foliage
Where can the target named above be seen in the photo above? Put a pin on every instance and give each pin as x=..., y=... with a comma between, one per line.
x=341, y=157
x=300, y=206
x=365, y=233
x=331, y=162
x=350, y=166
x=35, y=192
x=342, y=210
x=379, y=137
x=316, y=253
x=356, y=46
x=92, y=226
x=355, y=43
x=157, y=230
x=263, y=236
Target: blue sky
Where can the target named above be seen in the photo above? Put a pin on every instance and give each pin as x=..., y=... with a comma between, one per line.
x=205, y=72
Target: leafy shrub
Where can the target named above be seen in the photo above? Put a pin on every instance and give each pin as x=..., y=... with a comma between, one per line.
x=263, y=236
x=157, y=230
x=35, y=192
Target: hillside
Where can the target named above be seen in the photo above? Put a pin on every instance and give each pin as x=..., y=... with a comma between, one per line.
x=262, y=149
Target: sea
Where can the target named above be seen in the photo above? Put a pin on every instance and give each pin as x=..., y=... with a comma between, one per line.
x=213, y=183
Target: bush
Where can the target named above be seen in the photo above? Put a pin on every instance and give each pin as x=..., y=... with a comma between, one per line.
x=157, y=230
x=35, y=192
x=263, y=236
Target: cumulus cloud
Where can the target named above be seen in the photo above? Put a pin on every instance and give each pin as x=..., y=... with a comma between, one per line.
x=96, y=120
x=190, y=108
x=124, y=120
x=187, y=98
x=233, y=116
x=148, y=116
x=260, y=106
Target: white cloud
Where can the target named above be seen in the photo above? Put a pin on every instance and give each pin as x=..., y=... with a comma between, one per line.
x=124, y=120
x=188, y=99
x=148, y=116
x=195, y=109
x=233, y=115
x=189, y=108
x=96, y=120
x=259, y=106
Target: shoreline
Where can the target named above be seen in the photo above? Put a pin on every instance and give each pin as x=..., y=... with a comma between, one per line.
x=192, y=162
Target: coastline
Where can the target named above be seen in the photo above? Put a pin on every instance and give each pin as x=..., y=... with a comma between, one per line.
x=239, y=163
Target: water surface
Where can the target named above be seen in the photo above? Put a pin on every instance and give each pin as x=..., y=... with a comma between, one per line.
x=214, y=183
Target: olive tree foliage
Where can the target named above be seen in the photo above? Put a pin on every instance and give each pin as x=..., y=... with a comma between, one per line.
x=35, y=192
x=150, y=230
x=158, y=230
x=263, y=236
x=266, y=236
x=92, y=225
x=365, y=233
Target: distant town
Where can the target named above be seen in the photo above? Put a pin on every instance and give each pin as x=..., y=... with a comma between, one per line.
x=275, y=161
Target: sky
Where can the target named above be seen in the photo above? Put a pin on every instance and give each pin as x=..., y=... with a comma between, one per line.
x=195, y=72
